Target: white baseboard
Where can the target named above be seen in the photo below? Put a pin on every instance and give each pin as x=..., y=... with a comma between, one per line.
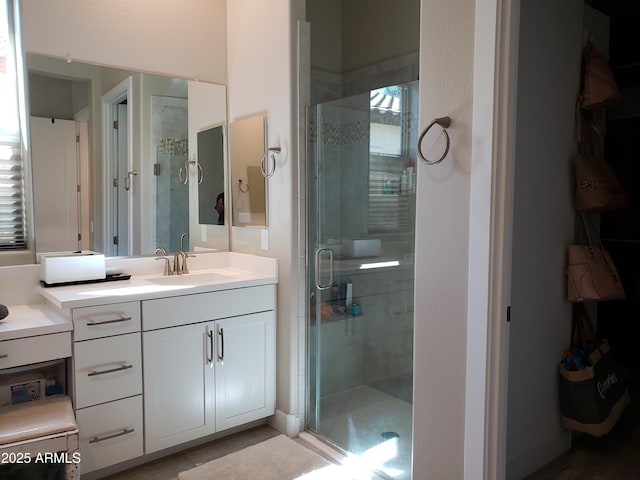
x=286, y=423
x=538, y=456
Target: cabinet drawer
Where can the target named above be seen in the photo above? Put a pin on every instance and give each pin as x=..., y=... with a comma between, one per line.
x=110, y=433
x=24, y=351
x=107, y=369
x=105, y=320
x=201, y=307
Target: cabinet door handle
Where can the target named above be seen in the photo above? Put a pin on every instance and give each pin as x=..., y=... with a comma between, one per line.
x=221, y=354
x=107, y=436
x=106, y=322
x=210, y=356
x=4, y=355
x=93, y=373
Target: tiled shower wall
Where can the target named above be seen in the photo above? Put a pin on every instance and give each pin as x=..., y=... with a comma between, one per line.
x=170, y=134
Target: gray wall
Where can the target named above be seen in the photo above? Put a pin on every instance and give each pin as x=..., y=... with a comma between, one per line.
x=543, y=225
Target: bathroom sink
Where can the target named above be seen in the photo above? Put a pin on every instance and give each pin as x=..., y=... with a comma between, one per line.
x=190, y=279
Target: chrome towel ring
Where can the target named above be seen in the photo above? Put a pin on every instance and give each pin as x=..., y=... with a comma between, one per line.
x=264, y=167
x=444, y=122
x=185, y=180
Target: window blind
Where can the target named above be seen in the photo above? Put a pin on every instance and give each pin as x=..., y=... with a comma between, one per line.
x=12, y=221
x=12, y=185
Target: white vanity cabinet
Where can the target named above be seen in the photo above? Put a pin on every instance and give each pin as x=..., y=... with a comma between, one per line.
x=209, y=363
x=107, y=379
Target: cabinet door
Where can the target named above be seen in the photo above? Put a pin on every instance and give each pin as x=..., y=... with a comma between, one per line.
x=178, y=381
x=244, y=369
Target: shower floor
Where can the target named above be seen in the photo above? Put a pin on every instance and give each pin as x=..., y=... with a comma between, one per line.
x=365, y=421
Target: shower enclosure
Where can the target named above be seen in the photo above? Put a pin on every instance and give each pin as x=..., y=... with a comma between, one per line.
x=361, y=218
x=170, y=133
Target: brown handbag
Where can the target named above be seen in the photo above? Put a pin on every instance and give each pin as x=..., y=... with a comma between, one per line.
x=591, y=273
x=597, y=187
x=599, y=85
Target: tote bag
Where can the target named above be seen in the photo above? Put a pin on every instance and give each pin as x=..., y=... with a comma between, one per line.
x=592, y=397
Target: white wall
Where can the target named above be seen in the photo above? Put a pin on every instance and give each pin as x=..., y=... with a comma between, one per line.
x=260, y=79
x=155, y=36
x=442, y=237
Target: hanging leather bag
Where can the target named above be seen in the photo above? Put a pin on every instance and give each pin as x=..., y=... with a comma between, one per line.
x=597, y=186
x=599, y=84
x=591, y=273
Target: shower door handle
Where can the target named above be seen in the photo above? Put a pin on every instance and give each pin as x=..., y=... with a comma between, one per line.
x=323, y=286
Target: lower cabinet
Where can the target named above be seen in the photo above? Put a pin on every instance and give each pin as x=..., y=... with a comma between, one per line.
x=202, y=363
x=204, y=377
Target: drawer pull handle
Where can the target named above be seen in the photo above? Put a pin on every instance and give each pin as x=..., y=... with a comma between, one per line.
x=4, y=355
x=106, y=322
x=93, y=373
x=108, y=436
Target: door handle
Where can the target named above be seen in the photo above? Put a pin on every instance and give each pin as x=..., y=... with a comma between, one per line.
x=127, y=179
x=221, y=354
x=210, y=357
x=323, y=286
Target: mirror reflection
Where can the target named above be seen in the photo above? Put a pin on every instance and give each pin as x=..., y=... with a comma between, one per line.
x=247, y=146
x=211, y=176
x=123, y=146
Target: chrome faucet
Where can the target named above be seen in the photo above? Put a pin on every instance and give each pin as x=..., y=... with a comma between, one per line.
x=179, y=267
x=161, y=253
x=167, y=266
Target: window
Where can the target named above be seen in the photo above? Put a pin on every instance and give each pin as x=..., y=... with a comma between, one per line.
x=393, y=111
x=12, y=184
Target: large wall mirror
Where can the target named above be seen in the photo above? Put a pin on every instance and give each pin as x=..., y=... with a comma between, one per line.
x=115, y=159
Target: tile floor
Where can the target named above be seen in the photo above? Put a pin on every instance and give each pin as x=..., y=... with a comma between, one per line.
x=356, y=420
x=169, y=467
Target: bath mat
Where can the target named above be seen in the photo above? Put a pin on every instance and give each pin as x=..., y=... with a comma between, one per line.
x=278, y=458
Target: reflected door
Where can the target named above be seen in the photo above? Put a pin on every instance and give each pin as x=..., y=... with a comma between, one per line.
x=123, y=185
x=55, y=184
x=361, y=217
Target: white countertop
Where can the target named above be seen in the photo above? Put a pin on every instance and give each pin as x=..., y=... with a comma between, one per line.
x=150, y=286
x=32, y=320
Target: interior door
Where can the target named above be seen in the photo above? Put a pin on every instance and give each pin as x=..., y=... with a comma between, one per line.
x=55, y=184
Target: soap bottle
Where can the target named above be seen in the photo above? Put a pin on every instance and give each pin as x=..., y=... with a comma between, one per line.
x=411, y=177
x=388, y=189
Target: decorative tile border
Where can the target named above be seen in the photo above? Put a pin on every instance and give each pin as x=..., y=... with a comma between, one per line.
x=174, y=146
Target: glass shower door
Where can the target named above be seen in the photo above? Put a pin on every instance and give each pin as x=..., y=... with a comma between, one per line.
x=361, y=211
x=172, y=202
